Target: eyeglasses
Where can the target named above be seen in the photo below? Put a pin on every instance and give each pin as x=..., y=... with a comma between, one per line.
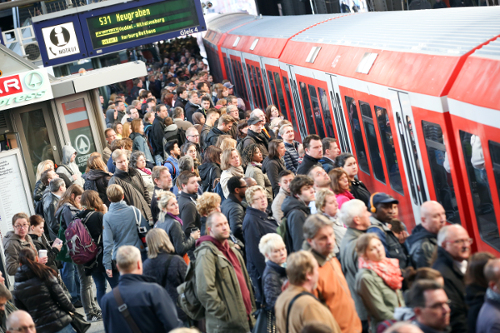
x=21, y=226
x=439, y=305
x=467, y=241
x=29, y=328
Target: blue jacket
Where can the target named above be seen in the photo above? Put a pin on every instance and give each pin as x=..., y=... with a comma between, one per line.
x=488, y=320
x=111, y=166
x=120, y=228
x=148, y=303
x=141, y=145
x=175, y=162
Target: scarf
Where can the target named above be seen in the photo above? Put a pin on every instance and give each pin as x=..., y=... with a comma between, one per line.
x=146, y=171
x=388, y=269
x=236, y=171
x=177, y=218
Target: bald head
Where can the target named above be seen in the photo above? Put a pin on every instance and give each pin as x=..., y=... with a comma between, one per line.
x=433, y=216
x=20, y=321
x=492, y=274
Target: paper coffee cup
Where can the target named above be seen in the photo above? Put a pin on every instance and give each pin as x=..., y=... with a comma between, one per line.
x=42, y=253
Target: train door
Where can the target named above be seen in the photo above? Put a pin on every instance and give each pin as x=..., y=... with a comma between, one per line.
x=241, y=77
x=342, y=132
x=296, y=100
x=256, y=83
x=266, y=83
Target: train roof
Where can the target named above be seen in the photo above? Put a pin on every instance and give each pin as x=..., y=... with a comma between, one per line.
x=226, y=22
x=490, y=51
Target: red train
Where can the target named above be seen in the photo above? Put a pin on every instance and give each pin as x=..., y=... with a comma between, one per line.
x=414, y=95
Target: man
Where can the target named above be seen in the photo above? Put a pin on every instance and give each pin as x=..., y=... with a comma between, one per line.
x=193, y=136
x=285, y=178
x=313, y=153
x=134, y=92
x=321, y=180
x=210, y=119
x=332, y=285
x=172, y=161
x=163, y=181
x=232, y=110
x=68, y=166
x=430, y=305
x=50, y=201
x=488, y=320
x=452, y=255
x=131, y=114
x=255, y=135
x=356, y=217
x=269, y=134
x=296, y=210
x=250, y=181
x=148, y=303
x=193, y=105
x=110, y=135
x=135, y=191
x=190, y=85
x=297, y=306
x=234, y=206
x=202, y=86
x=206, y=103
x=20, y=321
x=157, y=133
x=178, y=117
x=188, y=187
x=182, y=95
x=230, y=89
x=148, y=106
x=224, y=128
x=330, y=152
x=382, y=208
x=112, y=115
x=223, y=285
x=423, y=240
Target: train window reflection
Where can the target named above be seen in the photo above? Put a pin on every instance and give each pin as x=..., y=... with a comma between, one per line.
x=307, y=108
x=242, y=78
x=281, y=98
x=480, y=189
x=261, y=89
x=290, y=105
x=391, y=160
x=371, y=139
x=440, y=170
x=273, y=89
x=357, y=135
x=316, y=111
x=323, y=98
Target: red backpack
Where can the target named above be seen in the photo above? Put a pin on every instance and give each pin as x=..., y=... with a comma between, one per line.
x=81, y=246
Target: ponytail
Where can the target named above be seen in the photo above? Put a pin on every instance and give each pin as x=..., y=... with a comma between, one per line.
x=27, y=257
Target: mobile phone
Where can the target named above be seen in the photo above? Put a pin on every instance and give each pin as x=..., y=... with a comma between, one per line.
x=143, y=230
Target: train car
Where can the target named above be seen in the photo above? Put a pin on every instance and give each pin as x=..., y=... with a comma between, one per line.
x=380, y=82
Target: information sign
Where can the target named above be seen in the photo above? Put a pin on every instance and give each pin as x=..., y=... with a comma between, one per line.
x=60, y=40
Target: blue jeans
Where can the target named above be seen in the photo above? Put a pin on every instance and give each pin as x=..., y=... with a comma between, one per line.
x=67, y=329
x=71, y=280
x=159, y=160
x=100, y=278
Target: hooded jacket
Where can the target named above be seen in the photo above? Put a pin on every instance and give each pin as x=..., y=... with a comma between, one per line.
x=141, y=145
x=68, y=152
x=213, y=135
x=208, y=173
x=307, y=163
x=101, y=178
x=296, y=213
x=13, y=244
x=421, y=245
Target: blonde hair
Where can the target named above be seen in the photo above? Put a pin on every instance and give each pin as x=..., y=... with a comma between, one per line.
x=364, y=241
x=42, y=166
x=226, y=158
x=126, y=130
x=158, y=241
x=163, y=198
x=127, y=257
x=269, y=243
x=298, y=265
x=207, y=203
x=115, y=193
x=228, y=143
x=321, y=196
x=250, y=192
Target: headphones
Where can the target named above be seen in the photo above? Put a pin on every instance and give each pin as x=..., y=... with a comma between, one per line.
x=373, y=209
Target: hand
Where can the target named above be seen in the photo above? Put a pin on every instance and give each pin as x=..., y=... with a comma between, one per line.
x=75, y=177
x=43, y=260
x=57, y=245
x=403, y=235
x=109, y=272
x=195, y=234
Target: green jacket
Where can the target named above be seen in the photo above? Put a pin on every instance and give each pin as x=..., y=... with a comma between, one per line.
x=219, y=292
x=380, y=301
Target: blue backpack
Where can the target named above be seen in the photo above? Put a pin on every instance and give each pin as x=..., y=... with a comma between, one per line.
x=219, y=191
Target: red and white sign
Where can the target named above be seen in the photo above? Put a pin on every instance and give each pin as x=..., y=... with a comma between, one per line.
x=10, y=85
x=24, y=88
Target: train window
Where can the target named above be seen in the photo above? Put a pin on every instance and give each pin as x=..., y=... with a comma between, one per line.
x=273, y=88
x=480, y=189
x=323, y=98
x=316, y=111
x=252, y=85
x=440, y=170
x=290, y=105
x=242, y=79
x=371, y=139
x=307, y=108
x=281, y=98
x=257, y=91
x=341, y=125
x=261, y=88
x=391, y=159
x=357, y=134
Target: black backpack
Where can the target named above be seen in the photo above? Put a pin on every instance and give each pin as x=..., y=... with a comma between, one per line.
x=89, y=184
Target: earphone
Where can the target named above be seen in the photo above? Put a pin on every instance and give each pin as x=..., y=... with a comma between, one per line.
x=373, y=209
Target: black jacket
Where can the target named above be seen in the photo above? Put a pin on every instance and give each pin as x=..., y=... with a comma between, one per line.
x=212, y=136
x=208, y=173
x=296, y=213
x=95, y=227
x=168, y=277
x=50, y=202
x=454, y=287
x=474, y=298
x=393, y=248
x=38, y=191
x=203, y=136
x=155, y=211
x=45, y=301
x=42, y=243
x=359, y=191
x=272, y=168
x=234, y=210
x=272, y=280
x=182, y=243
x=180, y=102
x=307, y=163
x=190, y=109
x=187, y=212
x=148, y=303
x=258, y=138
x=157, y=136
x=255, y=225
x=101, y=179
x=421, y=245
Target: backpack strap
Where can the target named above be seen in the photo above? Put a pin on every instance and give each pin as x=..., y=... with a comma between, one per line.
x=290, y=306
x=122, y=307
x=68, y=168
x=173, y=167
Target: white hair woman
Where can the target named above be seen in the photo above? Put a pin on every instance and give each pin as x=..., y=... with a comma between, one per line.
x=326, y=204
x=273, y=249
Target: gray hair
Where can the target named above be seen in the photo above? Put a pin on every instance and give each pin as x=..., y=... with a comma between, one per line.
x=135, y=156
x=186, y=163
x=129, y=109
x=231, y=107
x=254, y=113
x=126, y=258
x=350, y=210
x=444, y=233
x=55, y=184
x=191, y=129
x=269, y=242
x=313, y=223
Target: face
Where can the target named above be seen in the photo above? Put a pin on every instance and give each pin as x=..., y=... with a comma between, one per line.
x=324, y=241
x=334, y=151
x=315, y=149
x=257, y=128
x=458, y=243
x=278, y=254
x=2, y=279
x=141, y=128
x=192, y=185
x=111, y=136
x=320, y=177
x=202, y=120
x=226, y=127
x=220, y=228
x=101, y=99
x=21, y=227
x=363, y=221
x=285, y=182
x=274, y=112
x=184, y=94
x=119, y=128
x=134, y=114
x=176, y=151
x=194, y=137
x=261, y=115
x=165, y=180
x=225, y=92
x=52, y=175
x=234, y=113
x=120, y=106
x=38, y=230
x=141, y=162
x=24, y=324
x=244, y=130
x=282, y=150
x=195, y=99
x=395, y=211
x=434, y=218
x=351, y=167
x=210, y=79
x=192, y=151
x=257, y=156
x=344, y=182
x=436, y=313
x=205, y=105
x=289, y=134
x=163, y=112
x=235, y=159
x=375, y=250
x=72, y=159
x=191, y=86
x=331, y=206
x=172, y=207
x=259, y=201
x=384, y=212
x=307, y=194
x=122, y=163
x=78, y=200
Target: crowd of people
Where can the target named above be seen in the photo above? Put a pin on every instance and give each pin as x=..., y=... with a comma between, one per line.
x=202, y=214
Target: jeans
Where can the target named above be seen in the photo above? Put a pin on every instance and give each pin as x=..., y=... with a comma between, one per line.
x=100, y=278
x=87, y=295
x=159, y=160
x=67, y=329
x=70, y=279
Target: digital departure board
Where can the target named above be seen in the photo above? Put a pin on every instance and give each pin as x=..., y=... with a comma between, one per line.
x=123, y=26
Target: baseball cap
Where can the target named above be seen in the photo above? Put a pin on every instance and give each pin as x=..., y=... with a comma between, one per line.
x=382, y=198
x=171, y=84
x=228, y=85
x=254, y=120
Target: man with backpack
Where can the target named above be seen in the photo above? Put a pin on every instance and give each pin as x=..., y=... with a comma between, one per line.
x=172, y=162
x=223, y=286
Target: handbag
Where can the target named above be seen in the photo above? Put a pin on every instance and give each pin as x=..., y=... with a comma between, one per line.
x=265, y=323
x=79, y=323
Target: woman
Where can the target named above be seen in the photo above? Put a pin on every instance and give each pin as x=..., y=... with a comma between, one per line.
x=242, y=129
x=126, y=130
x=231, y=166
x=167, y=268
x=252, y=157
x=476, y=286
x=189, y=149
x=172, y=224
x=256, y=224
x=40, y=241
x=38, y=292
x=93, y=216
x=118, y=127
x=347, y=162
x=378, y=281
x=274, y=163
x=292, y=148
x=326, y=204
x=15, y=241
x=340, y=185
x=228, y=143
x=198, y=121
x=222, y=92
x=210, y=168
x=138, y=161
x=97, y=172
x=140, y=141
x=273, y=249
x=206, y=204
x=39, y=186
x=273, y=113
